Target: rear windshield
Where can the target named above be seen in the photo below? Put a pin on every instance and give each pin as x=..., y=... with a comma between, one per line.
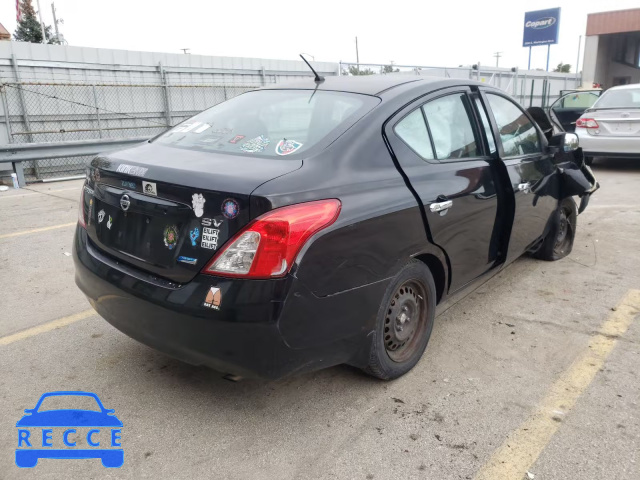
x=623, y=98
x=272, y=123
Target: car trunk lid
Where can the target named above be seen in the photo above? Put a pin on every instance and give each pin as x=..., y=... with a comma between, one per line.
x=616, y=122
x=168, y=210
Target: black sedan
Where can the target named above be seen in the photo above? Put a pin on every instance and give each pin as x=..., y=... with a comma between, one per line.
x=323, y=222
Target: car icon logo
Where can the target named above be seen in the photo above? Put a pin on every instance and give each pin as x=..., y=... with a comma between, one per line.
x=125, y=202
x=73, y=433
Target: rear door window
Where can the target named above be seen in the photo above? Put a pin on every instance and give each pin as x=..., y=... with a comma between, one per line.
x=517, y=134
x=451, y=128
x=271, y=123
x=413, y=131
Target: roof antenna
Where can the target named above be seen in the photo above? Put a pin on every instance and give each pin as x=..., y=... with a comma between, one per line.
x=318, y=78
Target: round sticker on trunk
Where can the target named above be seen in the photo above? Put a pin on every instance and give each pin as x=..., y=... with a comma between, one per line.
x=230, y=208
x=170, y=236
x=287, y=147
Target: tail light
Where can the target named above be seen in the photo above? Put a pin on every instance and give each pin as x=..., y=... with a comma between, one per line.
x=81, y=220
x=587, y=123
x=267, y=247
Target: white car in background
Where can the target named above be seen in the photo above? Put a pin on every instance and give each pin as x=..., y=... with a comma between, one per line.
x=611, y=127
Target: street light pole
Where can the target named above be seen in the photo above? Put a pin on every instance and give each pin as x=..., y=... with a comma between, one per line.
x=44, y=37
x=55, y=21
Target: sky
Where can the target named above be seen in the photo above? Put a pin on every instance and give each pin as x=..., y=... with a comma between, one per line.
x=427, y=33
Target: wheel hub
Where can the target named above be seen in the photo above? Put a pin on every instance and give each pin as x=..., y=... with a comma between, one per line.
x=402, y=318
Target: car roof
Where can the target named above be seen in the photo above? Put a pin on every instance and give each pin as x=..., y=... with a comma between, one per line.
x=364, y=84
x=626, y=87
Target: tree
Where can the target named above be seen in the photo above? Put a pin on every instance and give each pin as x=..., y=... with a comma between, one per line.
x=389, y=68
x=29, y=29
x=354, y=70
x=563, y=68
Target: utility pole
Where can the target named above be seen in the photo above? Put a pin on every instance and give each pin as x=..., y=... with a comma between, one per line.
x=44, y=37
x=357, y=56
x=497, y=55
x=55, y=21
x=185, y=51
x=578, y=59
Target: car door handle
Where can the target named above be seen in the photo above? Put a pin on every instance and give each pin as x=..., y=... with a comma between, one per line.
x=524, y=187
x=441, y=207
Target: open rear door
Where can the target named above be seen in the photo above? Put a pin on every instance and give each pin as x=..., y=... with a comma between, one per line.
x=568, y=108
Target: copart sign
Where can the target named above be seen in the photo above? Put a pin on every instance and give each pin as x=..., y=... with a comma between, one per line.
x=541, y=27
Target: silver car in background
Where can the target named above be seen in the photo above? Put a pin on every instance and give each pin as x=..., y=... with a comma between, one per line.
x=611, y=127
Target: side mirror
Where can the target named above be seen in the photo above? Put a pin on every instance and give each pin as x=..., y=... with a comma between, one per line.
x=570, y=143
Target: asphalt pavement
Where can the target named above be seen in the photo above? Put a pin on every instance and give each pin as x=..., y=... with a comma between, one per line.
x=535, y=371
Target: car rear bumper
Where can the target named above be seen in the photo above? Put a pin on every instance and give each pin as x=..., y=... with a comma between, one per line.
x=614, y=147
x=263, y=328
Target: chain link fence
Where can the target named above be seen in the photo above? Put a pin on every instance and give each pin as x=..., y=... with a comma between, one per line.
x=60, y=112
x=529, y=87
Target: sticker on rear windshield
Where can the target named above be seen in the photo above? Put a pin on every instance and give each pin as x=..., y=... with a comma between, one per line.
x=189, y=260
x=109, y=222
x=130, y=185
x=287, y=147
x=131, y=170
x=197, y=200
x=170, y=236
x=213, y=298
x=255, y=145
x=209, y=238
x=149, y=188
x=100, y=216
x=230, y=208
x=236, y=139
x=193, y=235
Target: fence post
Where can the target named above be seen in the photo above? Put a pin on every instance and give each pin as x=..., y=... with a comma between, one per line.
x=5, y=105
x=165, y=90
x=23, y=104
x=262, y=77
x=533, y=81
x=95, y=99
x=25, y=115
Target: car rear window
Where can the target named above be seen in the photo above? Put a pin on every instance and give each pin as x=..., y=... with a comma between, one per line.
x=270, y=123
x=623, y=98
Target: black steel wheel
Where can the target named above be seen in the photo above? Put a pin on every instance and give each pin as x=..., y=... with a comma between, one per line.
x=404, y=324
x=405, y=321
x=559, y=241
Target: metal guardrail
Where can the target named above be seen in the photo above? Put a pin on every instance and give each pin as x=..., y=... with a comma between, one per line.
x=16, y=153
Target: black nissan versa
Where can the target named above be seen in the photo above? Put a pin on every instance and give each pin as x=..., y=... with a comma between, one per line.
x=306, y=225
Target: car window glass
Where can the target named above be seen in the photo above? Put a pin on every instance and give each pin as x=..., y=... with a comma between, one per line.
x=413, y=131
x=518, y=135
x=622, y=98
x=486, y=125
x=450, y=127
x=577, y=100
x=69, y=402
x=270, y=123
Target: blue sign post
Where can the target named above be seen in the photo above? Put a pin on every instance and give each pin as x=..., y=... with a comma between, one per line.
x=541, y=28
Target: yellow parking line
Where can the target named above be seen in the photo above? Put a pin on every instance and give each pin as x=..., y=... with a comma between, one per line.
x=36, y=230
x=521, y=449
x=46, y=327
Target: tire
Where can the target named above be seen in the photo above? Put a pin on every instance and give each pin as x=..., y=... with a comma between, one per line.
x=559, y=241
x=588, y=161
x=398, y=344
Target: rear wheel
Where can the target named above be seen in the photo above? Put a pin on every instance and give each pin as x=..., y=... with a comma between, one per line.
x=404, y=323
x=559, y=241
